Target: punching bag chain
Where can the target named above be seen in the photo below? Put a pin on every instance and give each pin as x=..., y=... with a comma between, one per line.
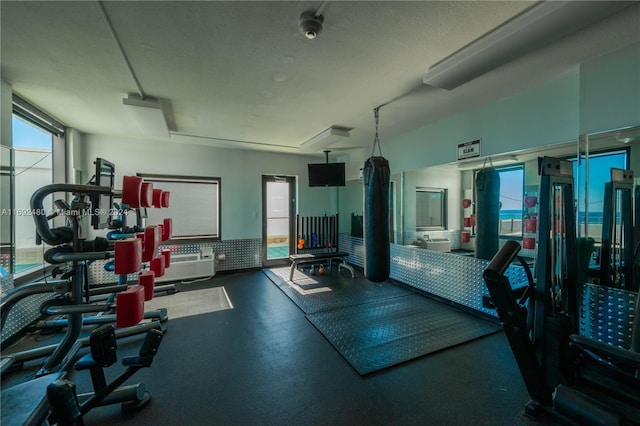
x=376, y=139
x=484, y=165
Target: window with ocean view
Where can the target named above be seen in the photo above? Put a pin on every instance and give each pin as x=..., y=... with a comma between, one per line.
x=591, y=199
x=511, y=196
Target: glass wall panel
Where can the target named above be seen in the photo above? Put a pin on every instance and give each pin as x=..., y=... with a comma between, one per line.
x=6, y=207
x=32, y=153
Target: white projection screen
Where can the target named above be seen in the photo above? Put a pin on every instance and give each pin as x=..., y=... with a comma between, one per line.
x=194, y=205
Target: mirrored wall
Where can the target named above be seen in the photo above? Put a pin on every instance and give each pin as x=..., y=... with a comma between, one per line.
x=439, y=202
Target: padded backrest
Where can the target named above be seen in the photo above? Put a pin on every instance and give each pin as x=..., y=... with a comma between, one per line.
x=103, y=345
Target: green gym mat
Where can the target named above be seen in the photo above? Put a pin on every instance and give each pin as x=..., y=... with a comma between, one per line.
x=376, y=326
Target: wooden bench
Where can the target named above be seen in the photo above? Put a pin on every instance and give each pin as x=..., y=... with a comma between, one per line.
x=298, y=259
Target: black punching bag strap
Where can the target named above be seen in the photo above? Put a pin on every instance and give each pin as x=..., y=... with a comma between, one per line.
x=376, y=219
x=376, y=139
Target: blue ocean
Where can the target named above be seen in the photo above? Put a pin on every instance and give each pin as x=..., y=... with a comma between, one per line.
x=510, y=214
x=594, y=217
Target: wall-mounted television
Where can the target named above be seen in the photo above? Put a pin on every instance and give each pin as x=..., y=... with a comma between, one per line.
x=326, y=174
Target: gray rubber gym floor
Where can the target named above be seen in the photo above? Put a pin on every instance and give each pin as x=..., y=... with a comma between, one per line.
x=377, y=325
x=261, y=362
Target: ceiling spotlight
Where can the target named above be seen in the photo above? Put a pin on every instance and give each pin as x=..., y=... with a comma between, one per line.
x=311, y=24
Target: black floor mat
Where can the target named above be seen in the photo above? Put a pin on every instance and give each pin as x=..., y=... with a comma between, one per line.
x=314, y=293
x=383, y=333
x=375, y=326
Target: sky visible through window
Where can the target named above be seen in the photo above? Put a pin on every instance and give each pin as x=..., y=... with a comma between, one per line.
x=511, y=187
x=28, y=136
x=599, y=173
x=33, y=169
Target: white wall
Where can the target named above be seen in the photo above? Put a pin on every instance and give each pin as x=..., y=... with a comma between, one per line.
x=240, y=170
x=546, y=115
x=610, y=91
x=5, y=153
x=6, y=108
x=602, y=94
x=74, y=156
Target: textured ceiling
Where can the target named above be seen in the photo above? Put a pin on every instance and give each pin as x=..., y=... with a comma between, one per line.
x=241, y=74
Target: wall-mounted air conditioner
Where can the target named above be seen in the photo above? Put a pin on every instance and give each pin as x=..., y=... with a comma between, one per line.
x=190, y=266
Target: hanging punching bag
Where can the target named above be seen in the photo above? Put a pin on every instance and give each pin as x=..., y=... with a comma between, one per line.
x=487, y=213
x=376, y=219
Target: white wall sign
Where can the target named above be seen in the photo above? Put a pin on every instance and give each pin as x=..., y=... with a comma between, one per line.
x=469, y=149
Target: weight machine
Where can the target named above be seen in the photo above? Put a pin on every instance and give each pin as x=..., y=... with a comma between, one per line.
x=71, y=253
x=571, y=378
x=616, y=256
x=26, y=403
